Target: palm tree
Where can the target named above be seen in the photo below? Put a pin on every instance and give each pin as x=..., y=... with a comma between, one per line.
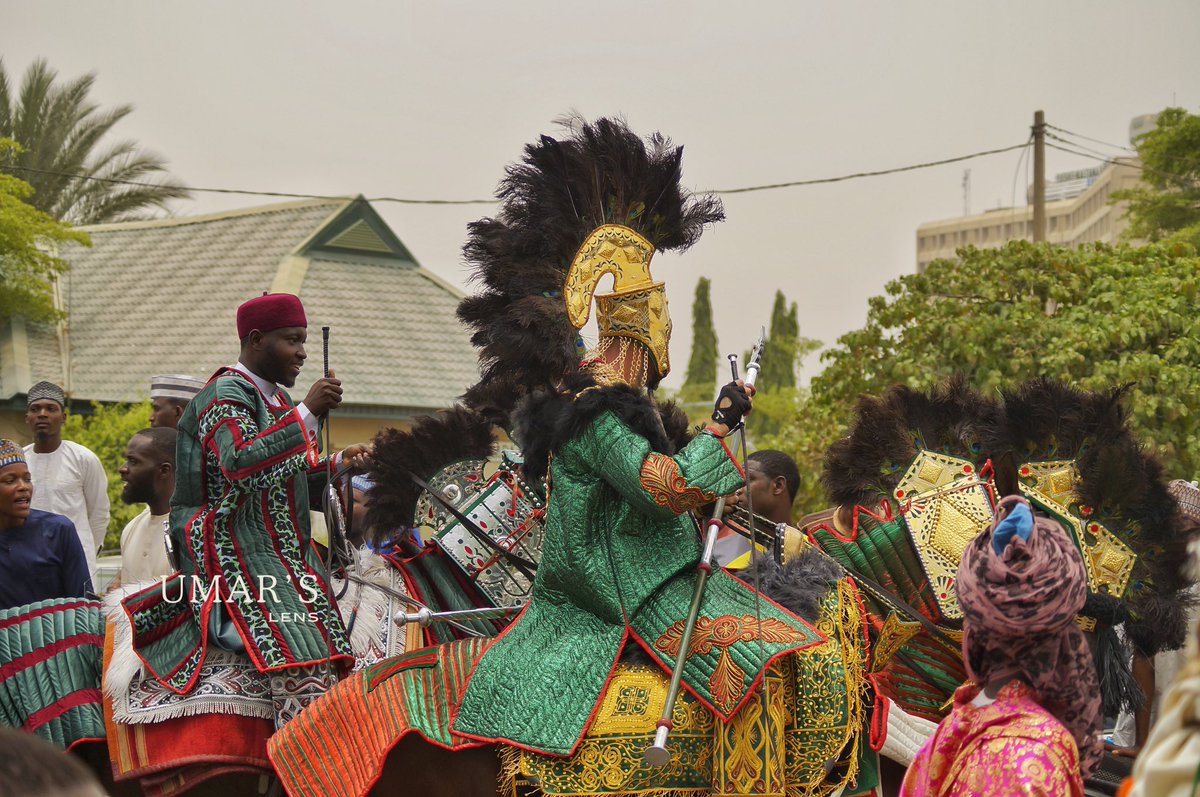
x=59, y=131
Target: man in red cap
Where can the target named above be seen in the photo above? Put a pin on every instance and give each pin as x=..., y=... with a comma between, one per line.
x=249, y=578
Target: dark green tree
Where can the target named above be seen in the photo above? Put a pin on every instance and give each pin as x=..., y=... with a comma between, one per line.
x=783, y=351
x=61, y=133
x=1096, y=316
x=1167, y=207
x=701, y=382
x=28, y=240
x=779, y=353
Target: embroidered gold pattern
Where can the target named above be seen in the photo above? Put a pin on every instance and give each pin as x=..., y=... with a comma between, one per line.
x=1106, y=558
x=947, y=507
x=661, y=479
x=829, y=711
x=609, y=759
x=721, y=633
x=894, y=635
x=815, y=717
x=749, y=749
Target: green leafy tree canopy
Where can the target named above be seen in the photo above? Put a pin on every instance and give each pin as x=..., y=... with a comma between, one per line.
x=106, y=432
x=28, y=239
x=62, y=135
x=1168, y=206
x=1096, y=317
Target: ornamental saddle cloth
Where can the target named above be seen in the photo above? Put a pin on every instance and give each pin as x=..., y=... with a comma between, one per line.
x=728, y=659
x=619, y=560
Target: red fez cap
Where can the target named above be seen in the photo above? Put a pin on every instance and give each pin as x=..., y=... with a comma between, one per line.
x=270, y=311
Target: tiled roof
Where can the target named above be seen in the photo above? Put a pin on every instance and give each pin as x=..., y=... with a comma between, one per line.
x=394, y=338
x=160, y=297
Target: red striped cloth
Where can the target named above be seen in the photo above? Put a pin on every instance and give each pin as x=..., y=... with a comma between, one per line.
x=338, y=746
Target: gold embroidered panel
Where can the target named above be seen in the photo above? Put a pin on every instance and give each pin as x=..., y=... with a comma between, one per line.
x=829, y=706
x=894, y=635
x=946, y=506
x=660, y=477
x=749, y=749
x=1106, y=558
x=609, y=759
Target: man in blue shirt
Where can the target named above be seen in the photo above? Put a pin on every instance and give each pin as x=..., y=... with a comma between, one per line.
x=40, y=553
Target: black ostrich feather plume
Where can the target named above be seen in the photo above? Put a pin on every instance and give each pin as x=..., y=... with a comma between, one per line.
x=865, y=466
x=1122, y=484
x=550, y=201
x=433, y=442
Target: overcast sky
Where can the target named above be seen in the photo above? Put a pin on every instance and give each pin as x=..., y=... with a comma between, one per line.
x=432, y=100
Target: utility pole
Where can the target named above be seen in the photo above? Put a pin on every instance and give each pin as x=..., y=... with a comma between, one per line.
x=1039, y=176
x=967, y=192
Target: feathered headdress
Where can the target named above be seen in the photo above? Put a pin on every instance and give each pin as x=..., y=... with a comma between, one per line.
x=557, y=196
x=1072, y=454
x=551, y=203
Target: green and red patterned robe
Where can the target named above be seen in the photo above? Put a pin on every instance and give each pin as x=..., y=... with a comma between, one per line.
x=239, y=520
x=619, y=562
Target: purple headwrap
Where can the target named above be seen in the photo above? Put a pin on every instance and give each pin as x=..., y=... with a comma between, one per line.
x=1019, y=607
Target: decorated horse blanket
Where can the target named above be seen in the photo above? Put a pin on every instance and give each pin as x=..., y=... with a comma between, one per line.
x=811, y=745
x=619, y=562
x=50, y=662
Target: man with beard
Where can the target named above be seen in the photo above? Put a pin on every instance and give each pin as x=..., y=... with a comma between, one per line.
x=250, y=579
x=149, y=476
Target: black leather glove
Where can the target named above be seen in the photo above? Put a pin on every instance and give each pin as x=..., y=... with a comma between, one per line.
x=732, y=403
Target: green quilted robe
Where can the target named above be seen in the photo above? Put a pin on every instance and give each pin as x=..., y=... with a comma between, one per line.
x=249, y=574
x=619, y=560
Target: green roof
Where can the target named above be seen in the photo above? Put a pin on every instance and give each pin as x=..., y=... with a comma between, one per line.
x=161, y=296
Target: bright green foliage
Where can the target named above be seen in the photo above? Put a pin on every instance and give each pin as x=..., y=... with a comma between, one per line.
x=25, y=269
x=700, y=386
x=1169, y=208
x=106, y=432
x=1097, y=316
x=60, y=131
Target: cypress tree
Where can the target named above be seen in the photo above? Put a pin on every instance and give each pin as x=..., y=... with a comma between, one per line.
x=701, y=381
x=779, y=353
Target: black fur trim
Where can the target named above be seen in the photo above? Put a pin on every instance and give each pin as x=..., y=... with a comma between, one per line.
x=680, y=430
x=799, y=585
x=545, y=420
x=433, y=442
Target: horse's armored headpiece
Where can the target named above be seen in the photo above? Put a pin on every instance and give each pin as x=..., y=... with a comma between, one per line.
x=600, y=201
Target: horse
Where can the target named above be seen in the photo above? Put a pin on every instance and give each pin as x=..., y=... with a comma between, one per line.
x=404, y=742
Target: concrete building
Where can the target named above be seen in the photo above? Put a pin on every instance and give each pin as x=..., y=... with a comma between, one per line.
x=1077, y=212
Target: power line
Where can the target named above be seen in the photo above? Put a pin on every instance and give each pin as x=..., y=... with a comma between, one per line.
x=245, y=192
x=1127, y=162
x=1093, y=140
x=407, y=201
x=856, y=175
x=1084, y=147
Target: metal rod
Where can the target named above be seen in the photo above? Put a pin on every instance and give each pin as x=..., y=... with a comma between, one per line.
x=424, y=616
x=657, y=754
